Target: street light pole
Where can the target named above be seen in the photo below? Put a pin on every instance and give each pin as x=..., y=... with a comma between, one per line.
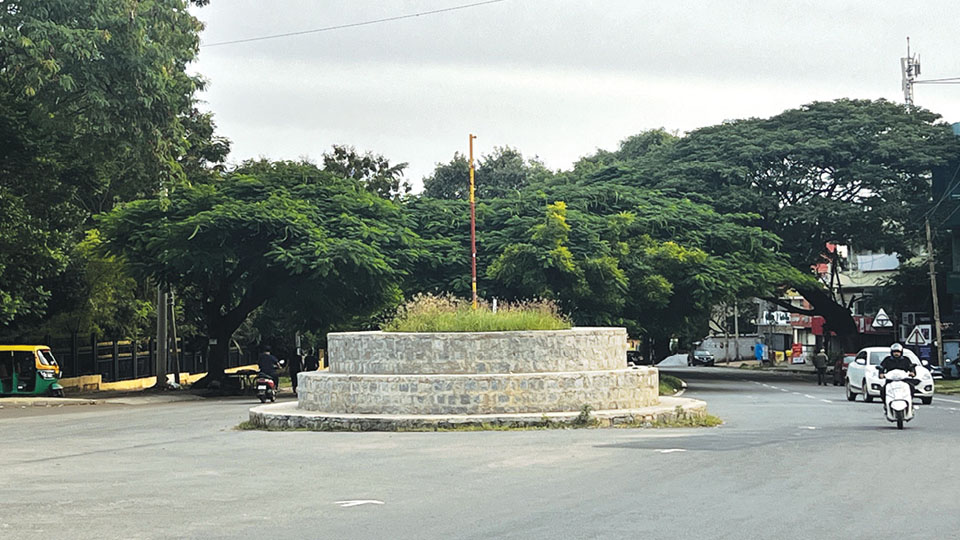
x=473, y=228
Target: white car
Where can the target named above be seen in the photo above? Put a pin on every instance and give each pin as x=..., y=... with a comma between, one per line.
x=863, y=377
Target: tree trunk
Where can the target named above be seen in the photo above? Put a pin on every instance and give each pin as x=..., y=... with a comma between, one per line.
x=219, y=356
x=837, y=317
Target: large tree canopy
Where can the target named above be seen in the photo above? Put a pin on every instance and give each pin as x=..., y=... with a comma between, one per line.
x=281, y=232
x=502, y=173
x=95, y=107
x=608, y=253
x=852, y=172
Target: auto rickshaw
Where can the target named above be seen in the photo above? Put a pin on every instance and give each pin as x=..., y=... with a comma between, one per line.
x=29, y=370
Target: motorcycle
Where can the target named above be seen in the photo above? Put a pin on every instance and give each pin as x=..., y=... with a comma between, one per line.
x=266, y=388
x=898, y=405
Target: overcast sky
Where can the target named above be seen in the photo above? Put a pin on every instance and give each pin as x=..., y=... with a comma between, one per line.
x=555, y=78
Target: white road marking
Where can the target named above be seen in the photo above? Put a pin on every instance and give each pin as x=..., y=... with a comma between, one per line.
x=826, y=401
x=948, y=400
x=809, y=396
x=783, y=389
x=348, y=504
x=671, y=450
x=795, y=393
x=807, y=427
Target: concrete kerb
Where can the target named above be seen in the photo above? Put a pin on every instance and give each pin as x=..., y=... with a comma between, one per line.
x=43, y=402
x=129, y=399
x=282, y=416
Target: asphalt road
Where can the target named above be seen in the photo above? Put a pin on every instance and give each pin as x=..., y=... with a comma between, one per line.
x=793, y=460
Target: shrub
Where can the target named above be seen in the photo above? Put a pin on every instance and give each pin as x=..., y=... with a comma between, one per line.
x=669, y=385
x=429, y=313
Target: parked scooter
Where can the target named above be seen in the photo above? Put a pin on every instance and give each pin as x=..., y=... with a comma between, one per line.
x=266, y=388
x=898, y=405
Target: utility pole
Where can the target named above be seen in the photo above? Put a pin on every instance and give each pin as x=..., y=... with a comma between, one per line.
x=172, y=323
x=910, y=69
x=736, y=330
x=933, y=291
x=473, y=228
x=162, y=337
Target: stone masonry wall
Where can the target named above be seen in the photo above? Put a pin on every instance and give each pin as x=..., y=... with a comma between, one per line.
x=479, y=394
x=477, y=373
x=396, y=353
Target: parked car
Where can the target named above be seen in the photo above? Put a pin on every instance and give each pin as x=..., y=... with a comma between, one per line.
x=840, y=368
x=700, y=358
x=863, y=378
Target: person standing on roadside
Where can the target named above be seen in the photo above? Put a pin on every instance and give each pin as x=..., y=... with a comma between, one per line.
x=312, y=362
x=294, y=367
x=820, y=362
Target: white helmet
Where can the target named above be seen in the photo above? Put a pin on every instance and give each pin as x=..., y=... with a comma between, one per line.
x=896, y=347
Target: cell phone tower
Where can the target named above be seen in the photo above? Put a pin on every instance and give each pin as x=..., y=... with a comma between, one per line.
x=910, y=70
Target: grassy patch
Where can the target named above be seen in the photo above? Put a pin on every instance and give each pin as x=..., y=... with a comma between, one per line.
x=547, y=424
x=250, y=426
x=428, y=313
x=485, y=427
x=669, y=385
x=707, y=420
x=947, y=387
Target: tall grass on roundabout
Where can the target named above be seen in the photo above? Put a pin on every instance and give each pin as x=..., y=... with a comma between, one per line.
x=430, y=313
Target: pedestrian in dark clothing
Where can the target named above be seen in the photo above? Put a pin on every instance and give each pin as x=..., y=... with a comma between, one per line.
x=312, y=362
x=294, y=368
x=820, y=362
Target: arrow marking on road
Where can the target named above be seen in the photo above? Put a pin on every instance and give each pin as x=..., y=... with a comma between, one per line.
x=671, y=450
x=349, y=504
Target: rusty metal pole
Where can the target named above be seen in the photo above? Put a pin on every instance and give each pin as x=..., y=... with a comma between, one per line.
x=473, y=227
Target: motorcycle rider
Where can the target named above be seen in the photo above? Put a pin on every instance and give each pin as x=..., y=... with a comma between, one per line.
x=896, y=360
x=268, y=365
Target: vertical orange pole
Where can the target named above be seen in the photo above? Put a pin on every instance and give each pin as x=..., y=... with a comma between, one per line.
x=473, y=228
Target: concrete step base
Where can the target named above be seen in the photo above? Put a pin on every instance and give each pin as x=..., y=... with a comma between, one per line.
x=288, y=416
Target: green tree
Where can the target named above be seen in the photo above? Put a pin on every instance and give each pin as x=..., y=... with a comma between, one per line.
x=611, y=254
x=852, y=172
x=544, y=267
x=372, y=170
x=95, y=108
x=502, y=173
x=99, y=296
x=268, y=232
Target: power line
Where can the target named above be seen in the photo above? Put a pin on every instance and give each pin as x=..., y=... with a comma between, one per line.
x=946, y=80
x=352, y=25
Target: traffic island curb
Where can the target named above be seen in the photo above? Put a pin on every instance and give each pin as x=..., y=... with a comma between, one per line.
x=286, y=416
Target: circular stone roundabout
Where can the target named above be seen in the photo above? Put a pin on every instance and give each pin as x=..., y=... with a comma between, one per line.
x=384, y=381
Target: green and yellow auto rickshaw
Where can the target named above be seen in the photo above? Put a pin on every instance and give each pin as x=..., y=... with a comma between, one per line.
x=29, y=370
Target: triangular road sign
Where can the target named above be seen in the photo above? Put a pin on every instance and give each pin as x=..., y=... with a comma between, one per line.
x=916, y=337
x=882, y=320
